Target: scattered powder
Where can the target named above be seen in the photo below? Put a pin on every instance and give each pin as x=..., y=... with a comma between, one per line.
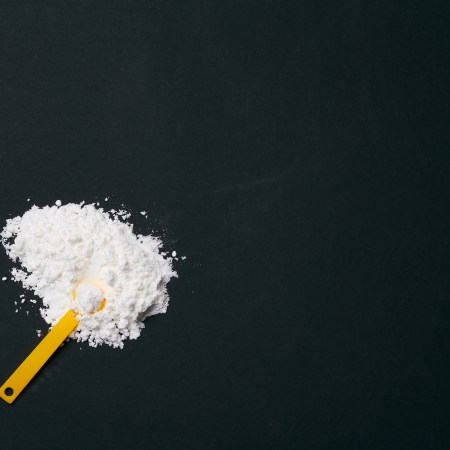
x=174, y=254
x=143, y=213
x=73, y=256
x=39, y=333
x=4, y=278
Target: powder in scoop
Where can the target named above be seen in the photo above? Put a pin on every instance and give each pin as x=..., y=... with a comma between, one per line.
x=88, y=298
x=62, y=248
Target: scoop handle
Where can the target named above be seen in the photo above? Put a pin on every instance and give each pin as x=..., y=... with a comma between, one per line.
x=17, y=382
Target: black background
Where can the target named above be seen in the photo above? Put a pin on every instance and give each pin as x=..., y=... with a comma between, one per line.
x=298, y=154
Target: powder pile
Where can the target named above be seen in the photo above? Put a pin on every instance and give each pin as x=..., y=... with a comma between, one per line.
x=81, y=249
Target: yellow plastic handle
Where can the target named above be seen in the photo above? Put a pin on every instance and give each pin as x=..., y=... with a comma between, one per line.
x=17, y=382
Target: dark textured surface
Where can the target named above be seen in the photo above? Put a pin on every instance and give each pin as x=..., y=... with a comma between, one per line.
x=297, y=153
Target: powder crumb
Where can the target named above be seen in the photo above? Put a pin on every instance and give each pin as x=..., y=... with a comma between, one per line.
x=22, y=301
x=17, y=311
x=27, y=312
x=106, y=199
x=143, y=213
x=58, y=248
x=33, y=301
x=15, y=303
x=39, y=333
x=58, y=203
x=183, y=258
x=124, y=214
x=174, y=253
x=28, y=199
x=4, y=278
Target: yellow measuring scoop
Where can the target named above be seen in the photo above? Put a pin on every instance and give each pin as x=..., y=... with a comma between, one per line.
x=17, y=382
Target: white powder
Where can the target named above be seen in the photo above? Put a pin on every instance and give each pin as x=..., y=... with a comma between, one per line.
x=73, y=256
x=88, y=298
